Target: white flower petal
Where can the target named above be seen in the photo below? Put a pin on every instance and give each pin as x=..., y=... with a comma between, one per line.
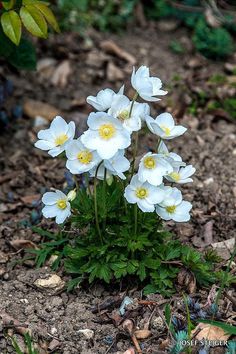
x=49, y=211
x=44, y=145
x=62, y=215
x=58, y=126
x=50, y=198
x=166, y=120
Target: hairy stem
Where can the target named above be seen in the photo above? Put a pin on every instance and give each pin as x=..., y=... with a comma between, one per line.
x=104, y=197
x=135, y=219
x=96, y=205
x=135, y=150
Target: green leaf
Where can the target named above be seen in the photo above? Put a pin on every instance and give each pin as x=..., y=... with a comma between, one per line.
x=226, y=327
x=24, y=56
x=11, y=25
x=73, y=283
x=8, y=5
x=34, y=21
x=6, y=47
x=48, y=14
x=150, y=289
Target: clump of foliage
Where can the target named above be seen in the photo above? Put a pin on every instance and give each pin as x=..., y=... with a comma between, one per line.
x=34, y=16
x=214, y=43
x=104, y=15
x=113, y=229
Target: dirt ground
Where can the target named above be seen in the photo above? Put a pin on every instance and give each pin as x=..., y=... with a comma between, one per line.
x=54, y=316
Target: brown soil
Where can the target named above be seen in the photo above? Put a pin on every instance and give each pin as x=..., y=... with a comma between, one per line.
x=26, y=172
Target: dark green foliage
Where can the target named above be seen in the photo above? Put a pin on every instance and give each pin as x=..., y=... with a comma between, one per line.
x=22, y=56
x=214, y=43
x=146, y=256
x=104, y=15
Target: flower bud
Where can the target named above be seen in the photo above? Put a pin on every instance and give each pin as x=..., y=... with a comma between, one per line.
x=71, y=195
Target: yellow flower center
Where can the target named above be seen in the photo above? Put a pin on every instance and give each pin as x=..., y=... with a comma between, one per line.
x=171, y=209
x=166, y=129
x=107, y=131
x=123, y=115
x=61, y=203
x=141, y=193
x=85, y=157
x=149, y=162
x=175, y=176
x=61, y=139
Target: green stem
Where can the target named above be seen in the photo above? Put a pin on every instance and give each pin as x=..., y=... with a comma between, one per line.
x=87, y=183
x=76, y=182
x=135, y=219
x=104, y=196
x=132, y=104
x=96, y=205
x=135, y=149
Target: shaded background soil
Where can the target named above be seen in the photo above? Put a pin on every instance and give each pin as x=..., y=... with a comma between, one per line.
x=26, y=173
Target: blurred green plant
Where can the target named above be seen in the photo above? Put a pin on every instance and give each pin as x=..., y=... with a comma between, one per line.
x=32, y=15
x=110, y=15
x=105, y=15
x=214, y=43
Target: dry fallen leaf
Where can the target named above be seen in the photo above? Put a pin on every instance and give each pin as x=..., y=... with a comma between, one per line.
x=129, y=351
x=209, y=332
x=142, y=334
x=53, y=282
x=224, y=248
x=23, y=244
x=61, y=74
x=29, y=199
x=114, y=73
x=33, y=108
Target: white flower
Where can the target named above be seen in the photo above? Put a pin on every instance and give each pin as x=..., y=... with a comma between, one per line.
x=104, y=99
x=164, y=126
x=121, y=109
x=146, y=86
x=144, y=194
x=173, y=207
x=56, y=205
x=174, y=159
x=114, y=167
x=106, y=135
x=181, y=175
x=152, y=168
x=80, y=159
x=146, y=111
x=56, y=138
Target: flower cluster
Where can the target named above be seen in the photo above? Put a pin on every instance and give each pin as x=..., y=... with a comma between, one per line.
x=100, y=151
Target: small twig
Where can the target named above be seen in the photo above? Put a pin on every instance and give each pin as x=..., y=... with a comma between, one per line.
x=233, y=300
x=150, y=302
x=128, y=326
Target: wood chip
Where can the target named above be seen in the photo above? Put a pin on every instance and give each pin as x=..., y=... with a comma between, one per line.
x=111, y=47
